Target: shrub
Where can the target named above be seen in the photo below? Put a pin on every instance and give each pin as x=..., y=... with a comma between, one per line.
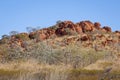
x=23, y=36
x=70, y=32
x=4, y=39
x=54, y=27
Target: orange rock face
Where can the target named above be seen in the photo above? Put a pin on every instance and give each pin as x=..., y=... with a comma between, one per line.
x=78, y=28
x=14, y=41
x=68, y=27
x=63, y=27
x=87, y=26
x=81, y=27
x=60, y=32
x=44, y=34
x=85, y=37
x=97, y=25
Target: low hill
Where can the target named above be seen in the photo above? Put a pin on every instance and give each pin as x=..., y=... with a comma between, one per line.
x=68, y=46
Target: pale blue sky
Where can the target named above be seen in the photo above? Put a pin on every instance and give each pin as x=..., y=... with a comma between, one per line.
x=18, y=14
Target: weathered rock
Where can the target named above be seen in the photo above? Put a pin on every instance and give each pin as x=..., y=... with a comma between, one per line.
x=97, y=25
x=45, y=33
x=71, y=39
x=60, y=32
x=65, y=28
x=107, y=29
x=78, y=28
x=66, y=24
x=15, y=41
x=85, y=37
x=87, y=26
x=41, y=37
x=32, y=35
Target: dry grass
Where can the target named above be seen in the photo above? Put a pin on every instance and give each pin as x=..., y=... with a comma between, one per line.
x=99, y=65
x=32, y=70
x=29, y=65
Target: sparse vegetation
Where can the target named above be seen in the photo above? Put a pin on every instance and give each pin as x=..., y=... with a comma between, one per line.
x=66, y=57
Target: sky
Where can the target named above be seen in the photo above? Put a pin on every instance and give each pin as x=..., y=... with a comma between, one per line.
x=16, y=15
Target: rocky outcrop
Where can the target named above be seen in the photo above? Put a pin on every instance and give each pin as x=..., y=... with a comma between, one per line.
x=86, y=33
x=14, y=42
x=68, y=28
x=87, y=26
x=42, y=34
x=65, y=28
x=81, y=27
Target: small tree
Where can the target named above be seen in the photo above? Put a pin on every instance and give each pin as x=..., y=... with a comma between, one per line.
x=4, y=39
x=38, y=27
x=59, y=21
x=5, y=36
x=31, y=29
x=13, y=33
